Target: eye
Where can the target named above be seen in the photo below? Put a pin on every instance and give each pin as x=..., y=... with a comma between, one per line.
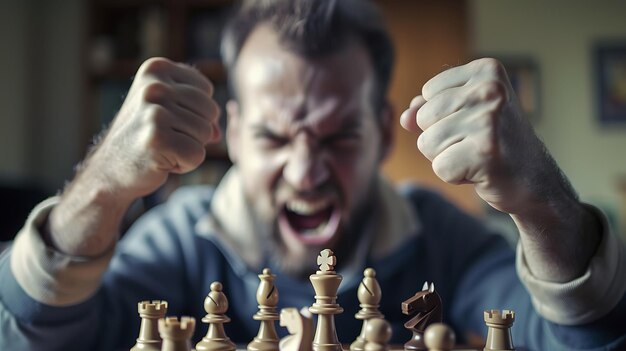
x=343, y=139
x=270, y=139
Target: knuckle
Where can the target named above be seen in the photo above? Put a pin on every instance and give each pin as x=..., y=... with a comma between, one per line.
x=155, y=92
x=492, y=90
x=195, y=157
x=155, y=115
x=442, y=170
x=155, y=65
x=491, y=66
x=210, y=87
x=425, y=145
x=421, y=142
x=205, y=131
x=445, y=171
x=423, y=116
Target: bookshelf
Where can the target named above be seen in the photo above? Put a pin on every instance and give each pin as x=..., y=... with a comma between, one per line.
x=121, y=34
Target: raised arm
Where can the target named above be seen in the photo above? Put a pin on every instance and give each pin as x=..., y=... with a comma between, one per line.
x=53, y=270
x=474, y=132
x=162, y=127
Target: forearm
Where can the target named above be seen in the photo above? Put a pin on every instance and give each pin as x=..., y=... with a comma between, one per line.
x=559, y=239
x=86, y=221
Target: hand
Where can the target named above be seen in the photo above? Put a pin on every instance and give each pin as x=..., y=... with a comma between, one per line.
x=163, y=126
x=474, y=132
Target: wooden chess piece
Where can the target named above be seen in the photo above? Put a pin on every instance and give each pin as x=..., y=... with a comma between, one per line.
x=425, y=305
x=369, y=295
x=176, y=334
x=377, y=335
x=439, y=337
x=216, y=305
x=150, y=313
x=499, y=332
x=267, y=297
x=299, y=324
x=326, y=282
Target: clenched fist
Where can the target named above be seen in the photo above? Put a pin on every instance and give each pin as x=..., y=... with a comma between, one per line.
x=163, y=126
x=474, y=132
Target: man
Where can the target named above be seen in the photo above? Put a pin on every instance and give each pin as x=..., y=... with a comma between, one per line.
x=307, y=129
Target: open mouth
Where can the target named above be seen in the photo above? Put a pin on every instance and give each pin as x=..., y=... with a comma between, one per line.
x=310, y=222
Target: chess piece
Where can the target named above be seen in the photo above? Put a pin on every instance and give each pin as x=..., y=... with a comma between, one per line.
x=439, y=337
x=267, y=297
x=326, y=282
x=216, y=305
x=150, y=313
x=176, y=334
x=299, y=324
x=377, y=335
x=499, y=332
x=425, y=305
x=369, y=295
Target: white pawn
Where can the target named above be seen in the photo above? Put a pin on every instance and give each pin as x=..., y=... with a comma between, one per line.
x=377, y=335
x=439, y=337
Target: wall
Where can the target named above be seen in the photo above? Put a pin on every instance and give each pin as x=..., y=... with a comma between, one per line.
x=13, y=69
x=429, y=35
x=40, y=104
x=560, y=36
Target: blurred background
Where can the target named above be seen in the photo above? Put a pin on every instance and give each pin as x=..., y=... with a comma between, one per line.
x=65, y=66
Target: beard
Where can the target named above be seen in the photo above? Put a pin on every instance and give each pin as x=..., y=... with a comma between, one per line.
x=302, y=263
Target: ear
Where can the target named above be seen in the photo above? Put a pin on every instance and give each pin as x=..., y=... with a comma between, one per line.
x=388, y=129
x=233, y=130
x=425, y=287
x=432, y=287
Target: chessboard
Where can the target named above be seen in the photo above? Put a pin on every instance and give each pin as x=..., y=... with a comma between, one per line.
x=160, y=333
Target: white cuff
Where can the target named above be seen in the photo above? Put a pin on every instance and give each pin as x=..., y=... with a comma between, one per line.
x=588, y=297
x=49, y=276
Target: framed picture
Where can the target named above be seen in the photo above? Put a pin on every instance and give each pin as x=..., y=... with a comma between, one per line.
x=610, y=73
x=524, y=75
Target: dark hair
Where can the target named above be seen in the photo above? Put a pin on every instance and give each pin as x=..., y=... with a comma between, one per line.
x=314, y=28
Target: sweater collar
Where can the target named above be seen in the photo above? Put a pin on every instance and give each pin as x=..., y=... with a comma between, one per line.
x=229, y=224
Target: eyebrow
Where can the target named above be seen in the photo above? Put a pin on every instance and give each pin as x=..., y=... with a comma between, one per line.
x=349, y=123
x=260, y=127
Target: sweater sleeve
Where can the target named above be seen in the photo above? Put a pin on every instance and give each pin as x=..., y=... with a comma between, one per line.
x=588, y=297
x=489, y=281
x=48, y=300
x=49, y=276
x=51, y=301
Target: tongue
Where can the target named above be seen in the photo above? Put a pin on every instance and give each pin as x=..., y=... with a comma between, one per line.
x=312, y=221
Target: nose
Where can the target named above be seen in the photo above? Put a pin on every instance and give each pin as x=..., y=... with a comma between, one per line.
x=305, y=168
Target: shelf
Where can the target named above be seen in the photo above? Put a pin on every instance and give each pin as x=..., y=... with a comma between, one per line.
x=126, y=69
x=127, y=3
x=209, y=3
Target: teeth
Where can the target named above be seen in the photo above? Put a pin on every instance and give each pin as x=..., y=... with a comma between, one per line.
x=306, y=207
x=315, y=231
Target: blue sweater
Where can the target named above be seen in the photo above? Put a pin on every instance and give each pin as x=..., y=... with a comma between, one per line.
x=164, y=257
